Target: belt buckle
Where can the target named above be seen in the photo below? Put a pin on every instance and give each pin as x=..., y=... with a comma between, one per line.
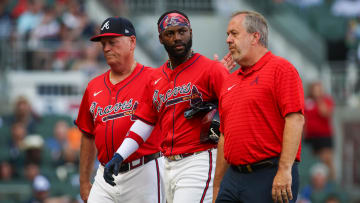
x=249, y=169
x=177, y=157
x=245, y=168
x=136, y=163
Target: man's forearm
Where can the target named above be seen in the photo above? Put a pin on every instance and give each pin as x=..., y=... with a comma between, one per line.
x=294, y=123
x=221, y=166
x=87, y=158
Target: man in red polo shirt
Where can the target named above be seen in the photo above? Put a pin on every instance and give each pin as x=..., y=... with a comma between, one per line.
x=261, y=111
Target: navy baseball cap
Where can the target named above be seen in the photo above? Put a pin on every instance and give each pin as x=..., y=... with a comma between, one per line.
x=115, y=26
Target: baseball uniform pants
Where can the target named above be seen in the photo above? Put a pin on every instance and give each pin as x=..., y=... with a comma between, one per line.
x=190, y=179
x=144, y=184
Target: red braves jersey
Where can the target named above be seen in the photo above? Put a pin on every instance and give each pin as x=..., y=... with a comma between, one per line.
x=170, y=94
x=253, y=106
x=317, y=125
x=107, y=113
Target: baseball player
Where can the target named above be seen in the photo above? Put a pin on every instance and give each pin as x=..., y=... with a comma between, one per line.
x=105, y=116
x=186, y=79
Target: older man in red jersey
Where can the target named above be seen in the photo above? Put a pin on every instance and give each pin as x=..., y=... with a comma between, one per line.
x=106, y=113
x=261, y=112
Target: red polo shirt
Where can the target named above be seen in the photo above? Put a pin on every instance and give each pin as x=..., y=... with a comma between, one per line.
x=253, y=106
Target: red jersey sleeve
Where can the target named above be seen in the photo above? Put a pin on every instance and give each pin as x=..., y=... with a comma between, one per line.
x=289, y=90
x=146, y=111
x=217, y=77
x=221, y=117
x=218, y=73
x=84, y=120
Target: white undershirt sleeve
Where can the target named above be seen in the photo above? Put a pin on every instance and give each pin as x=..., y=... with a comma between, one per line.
x=130, y=145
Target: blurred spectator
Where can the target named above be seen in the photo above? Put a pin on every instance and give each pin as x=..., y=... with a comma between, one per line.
x=67, y=52
x=18, y=133
x=89, y=60
x=74, y=139
x=20, y=8
x=24, y=114
x=44, y=38
x=319, y=109
x=33, y=147
x=72, y=16
x=26, y=22
x=353, y=34
x=6, y=34
x=5, y=21
x=41, y=189
x=58, y=141
x=30, y=171
x=320, y=186
x=332, y=199
x=6, y=171
x=346, y=8
x=30, y=18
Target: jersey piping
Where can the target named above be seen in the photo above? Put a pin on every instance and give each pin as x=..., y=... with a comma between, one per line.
x=172, y=137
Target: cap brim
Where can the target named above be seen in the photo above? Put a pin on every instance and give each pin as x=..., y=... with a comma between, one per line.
x=98, y=37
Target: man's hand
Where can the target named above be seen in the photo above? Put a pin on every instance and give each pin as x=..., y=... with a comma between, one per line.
x=85, y=191
x=281, y=188
x=112, y=167
x=227, y=61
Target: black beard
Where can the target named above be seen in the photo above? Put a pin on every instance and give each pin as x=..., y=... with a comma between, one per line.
x=173, y=54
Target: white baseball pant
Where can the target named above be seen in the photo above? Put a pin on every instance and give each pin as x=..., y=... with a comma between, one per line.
x=190, y=179
x=144, y=184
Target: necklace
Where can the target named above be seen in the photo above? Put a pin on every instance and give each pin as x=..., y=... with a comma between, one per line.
x=187, y=58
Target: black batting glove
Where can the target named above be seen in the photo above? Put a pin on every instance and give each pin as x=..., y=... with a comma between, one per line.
x=112, y=168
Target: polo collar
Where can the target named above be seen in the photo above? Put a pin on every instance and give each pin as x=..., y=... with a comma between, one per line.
x=257, y=66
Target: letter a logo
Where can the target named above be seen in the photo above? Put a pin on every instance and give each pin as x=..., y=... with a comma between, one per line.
x=106, y=25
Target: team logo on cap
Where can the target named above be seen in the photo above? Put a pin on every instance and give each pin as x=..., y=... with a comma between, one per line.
x=106, y=25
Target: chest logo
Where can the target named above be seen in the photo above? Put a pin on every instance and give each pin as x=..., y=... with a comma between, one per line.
x=255, y=82
x=229, y=88
x=111, y=112
x=156, y=81
x=96, y=93
x=180, y=94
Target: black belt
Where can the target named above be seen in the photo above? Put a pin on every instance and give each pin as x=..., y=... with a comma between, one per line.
x=249, y=168
x=178, y=157
x=125, y=167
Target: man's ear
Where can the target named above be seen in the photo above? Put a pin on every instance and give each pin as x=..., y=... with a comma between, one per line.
x=133, y=42
x=256, y=38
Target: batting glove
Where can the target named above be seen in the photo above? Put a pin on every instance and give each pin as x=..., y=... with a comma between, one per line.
x=112, y=167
